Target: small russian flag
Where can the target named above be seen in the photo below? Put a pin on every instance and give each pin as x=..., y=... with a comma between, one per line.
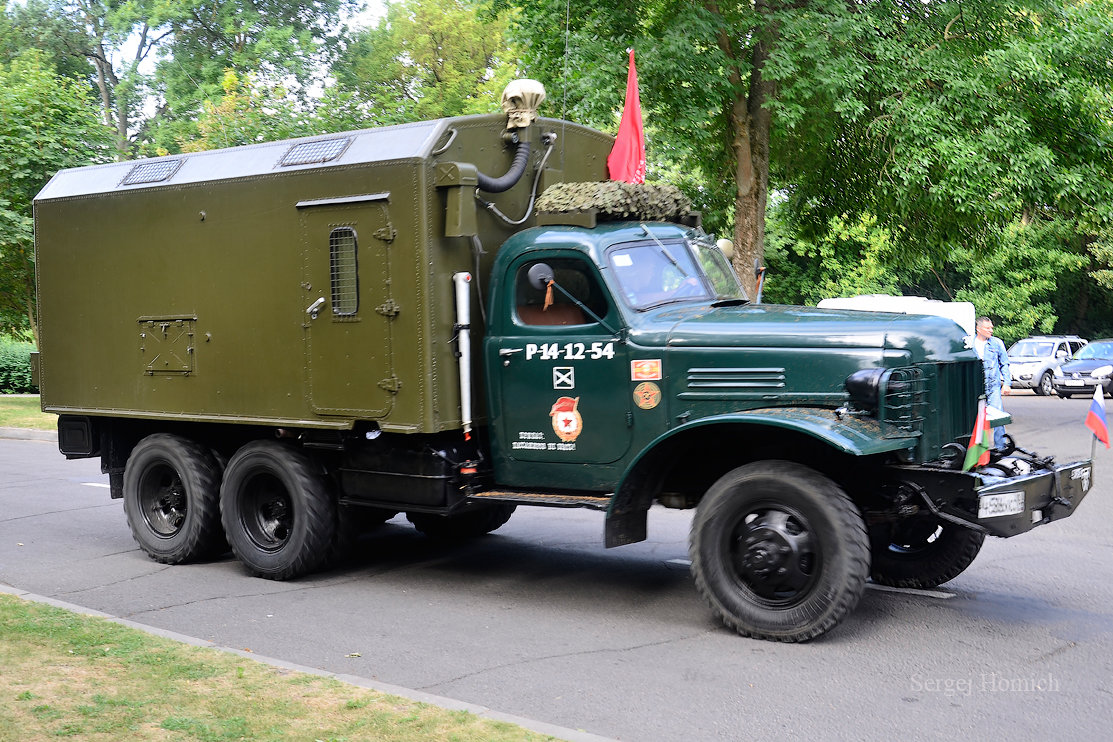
x=1095, y=418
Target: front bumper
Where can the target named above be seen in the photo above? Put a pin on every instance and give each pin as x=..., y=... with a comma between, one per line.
x=1083, y=385
x=996, y=502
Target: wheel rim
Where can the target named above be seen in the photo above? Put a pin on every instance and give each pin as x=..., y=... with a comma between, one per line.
x=915, y=538
x=162, y=500
x=267, y=512
x=775, y=555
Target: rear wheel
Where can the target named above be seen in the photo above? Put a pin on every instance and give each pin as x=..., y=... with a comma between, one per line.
x=469, y=524
x=779, y=551
x=1045, y=387
x=278, y=511
x=171, y=499
x=922, y=552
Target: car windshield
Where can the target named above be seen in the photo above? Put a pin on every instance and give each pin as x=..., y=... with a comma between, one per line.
x=1103, y=351
x=1032, y=348
x=656, y=272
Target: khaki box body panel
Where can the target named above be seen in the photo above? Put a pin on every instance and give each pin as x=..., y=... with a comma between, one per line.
x=261, y=284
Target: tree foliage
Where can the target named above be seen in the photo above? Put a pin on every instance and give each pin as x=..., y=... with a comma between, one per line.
x=427, y=59
x=47, y=123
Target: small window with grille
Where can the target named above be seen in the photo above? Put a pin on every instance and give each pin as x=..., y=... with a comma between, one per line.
x=310, y=153
x=344, y=271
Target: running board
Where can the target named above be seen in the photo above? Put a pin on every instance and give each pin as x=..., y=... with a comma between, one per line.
x=551, y=499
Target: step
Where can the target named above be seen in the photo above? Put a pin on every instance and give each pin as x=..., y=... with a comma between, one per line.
x=551, y=499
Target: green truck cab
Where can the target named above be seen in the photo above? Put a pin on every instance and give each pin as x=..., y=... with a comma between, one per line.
x=271, y=348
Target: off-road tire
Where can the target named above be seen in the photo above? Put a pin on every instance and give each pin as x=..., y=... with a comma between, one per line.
x=922, y=552
x=278, y=511
x=172, y=499
x=779, y=551
x=469, y=524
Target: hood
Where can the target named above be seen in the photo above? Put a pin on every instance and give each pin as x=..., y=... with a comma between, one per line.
x=924, y=338
x=1085, y=366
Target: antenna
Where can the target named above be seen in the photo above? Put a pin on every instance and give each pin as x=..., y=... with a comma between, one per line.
x=564, y=91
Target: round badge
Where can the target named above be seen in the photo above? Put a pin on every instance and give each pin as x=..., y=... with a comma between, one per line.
x=647, y=395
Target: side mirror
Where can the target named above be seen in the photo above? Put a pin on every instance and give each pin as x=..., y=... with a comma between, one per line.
x=1061, y=354
x=539, y=275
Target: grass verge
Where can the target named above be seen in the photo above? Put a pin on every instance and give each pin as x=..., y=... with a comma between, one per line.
x=24, y=412
x=66, y=675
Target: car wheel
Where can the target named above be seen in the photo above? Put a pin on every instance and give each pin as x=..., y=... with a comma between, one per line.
x=1045, y=387
x=779, y=551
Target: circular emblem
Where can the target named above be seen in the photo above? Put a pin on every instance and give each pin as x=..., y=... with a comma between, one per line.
x=567, y=422
x=647, y=395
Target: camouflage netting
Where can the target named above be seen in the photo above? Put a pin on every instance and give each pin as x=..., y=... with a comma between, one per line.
x=616, y=200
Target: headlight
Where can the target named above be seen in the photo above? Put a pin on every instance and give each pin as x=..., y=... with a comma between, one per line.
x=1102, y=371
x=864, y=388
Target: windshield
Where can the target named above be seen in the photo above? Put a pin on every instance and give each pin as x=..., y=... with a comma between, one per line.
x=1103, y=351
x=1032, y=348
x=658, y=272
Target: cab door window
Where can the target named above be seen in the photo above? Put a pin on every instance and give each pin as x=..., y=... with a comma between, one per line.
x=560, y=304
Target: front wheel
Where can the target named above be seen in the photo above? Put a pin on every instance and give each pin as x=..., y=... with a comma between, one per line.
x=922, y=552
x=171, y=499
x=278, y=511
x=779, y=551
x=1045, y=387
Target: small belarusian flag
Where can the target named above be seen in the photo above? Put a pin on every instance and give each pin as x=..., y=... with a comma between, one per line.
x=981, y=440
x=1095, y=418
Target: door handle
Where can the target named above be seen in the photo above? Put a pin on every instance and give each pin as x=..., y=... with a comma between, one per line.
x=315, y=307
x=505, y=353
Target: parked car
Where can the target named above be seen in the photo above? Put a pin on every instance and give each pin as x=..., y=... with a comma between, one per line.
x=1092, y=366
x=1032, y=360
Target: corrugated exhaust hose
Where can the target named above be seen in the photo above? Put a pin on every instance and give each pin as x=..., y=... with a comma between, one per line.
x=512, y=176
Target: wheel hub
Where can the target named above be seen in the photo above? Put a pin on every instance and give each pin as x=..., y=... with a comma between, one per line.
x=775, y=554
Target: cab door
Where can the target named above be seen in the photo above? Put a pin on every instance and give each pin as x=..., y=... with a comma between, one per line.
x=559, y=374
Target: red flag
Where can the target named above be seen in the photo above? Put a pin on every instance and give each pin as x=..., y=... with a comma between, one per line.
x=981, y=440
x=627, y=158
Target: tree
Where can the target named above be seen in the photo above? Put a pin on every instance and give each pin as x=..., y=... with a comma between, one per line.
x=427, y=59
x=153, y=62
x=47, y=122
x=941, y=117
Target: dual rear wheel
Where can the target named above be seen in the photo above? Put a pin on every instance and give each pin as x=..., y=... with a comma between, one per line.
x=270, y=503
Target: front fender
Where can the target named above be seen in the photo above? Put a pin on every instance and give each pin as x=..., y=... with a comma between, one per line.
x=854, y=435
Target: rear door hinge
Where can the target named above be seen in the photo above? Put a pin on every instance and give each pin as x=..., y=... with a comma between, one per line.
x=387, y=233
x=389, y=308
x=392, y=384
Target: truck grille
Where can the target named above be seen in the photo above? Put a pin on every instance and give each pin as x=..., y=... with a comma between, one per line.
x=903, y=402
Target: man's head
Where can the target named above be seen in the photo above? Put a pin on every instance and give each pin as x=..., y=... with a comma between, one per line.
x=984, y=327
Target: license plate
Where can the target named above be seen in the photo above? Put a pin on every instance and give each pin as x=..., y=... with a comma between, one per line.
x=1074, y=382
x=1006, y=503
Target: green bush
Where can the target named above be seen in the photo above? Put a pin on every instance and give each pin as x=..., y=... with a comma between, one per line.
x=15, y=367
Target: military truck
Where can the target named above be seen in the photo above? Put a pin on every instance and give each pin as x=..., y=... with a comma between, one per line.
x=274, y=347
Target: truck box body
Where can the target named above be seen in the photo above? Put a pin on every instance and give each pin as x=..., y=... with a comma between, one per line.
x=178, y=287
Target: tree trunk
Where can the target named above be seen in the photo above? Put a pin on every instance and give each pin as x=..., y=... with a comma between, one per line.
x=750, y=124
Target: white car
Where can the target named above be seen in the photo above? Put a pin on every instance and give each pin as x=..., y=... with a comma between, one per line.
x=1032, y=361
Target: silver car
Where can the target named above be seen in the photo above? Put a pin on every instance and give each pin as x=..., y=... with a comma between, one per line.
x=1032, y=360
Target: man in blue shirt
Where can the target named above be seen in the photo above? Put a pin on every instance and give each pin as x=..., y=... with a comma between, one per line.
x=995, y=361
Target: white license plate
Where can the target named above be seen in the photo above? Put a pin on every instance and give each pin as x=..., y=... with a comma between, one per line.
x=1074, y=382
x=1006, y=503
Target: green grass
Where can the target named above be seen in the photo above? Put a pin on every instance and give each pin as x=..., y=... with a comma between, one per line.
x=24, y=412
x=63, y=675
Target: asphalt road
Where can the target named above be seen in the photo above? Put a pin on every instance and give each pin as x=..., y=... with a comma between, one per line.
x=541, y=621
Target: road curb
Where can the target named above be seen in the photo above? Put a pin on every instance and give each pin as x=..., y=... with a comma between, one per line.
x=26, y=434
x=452, y=704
